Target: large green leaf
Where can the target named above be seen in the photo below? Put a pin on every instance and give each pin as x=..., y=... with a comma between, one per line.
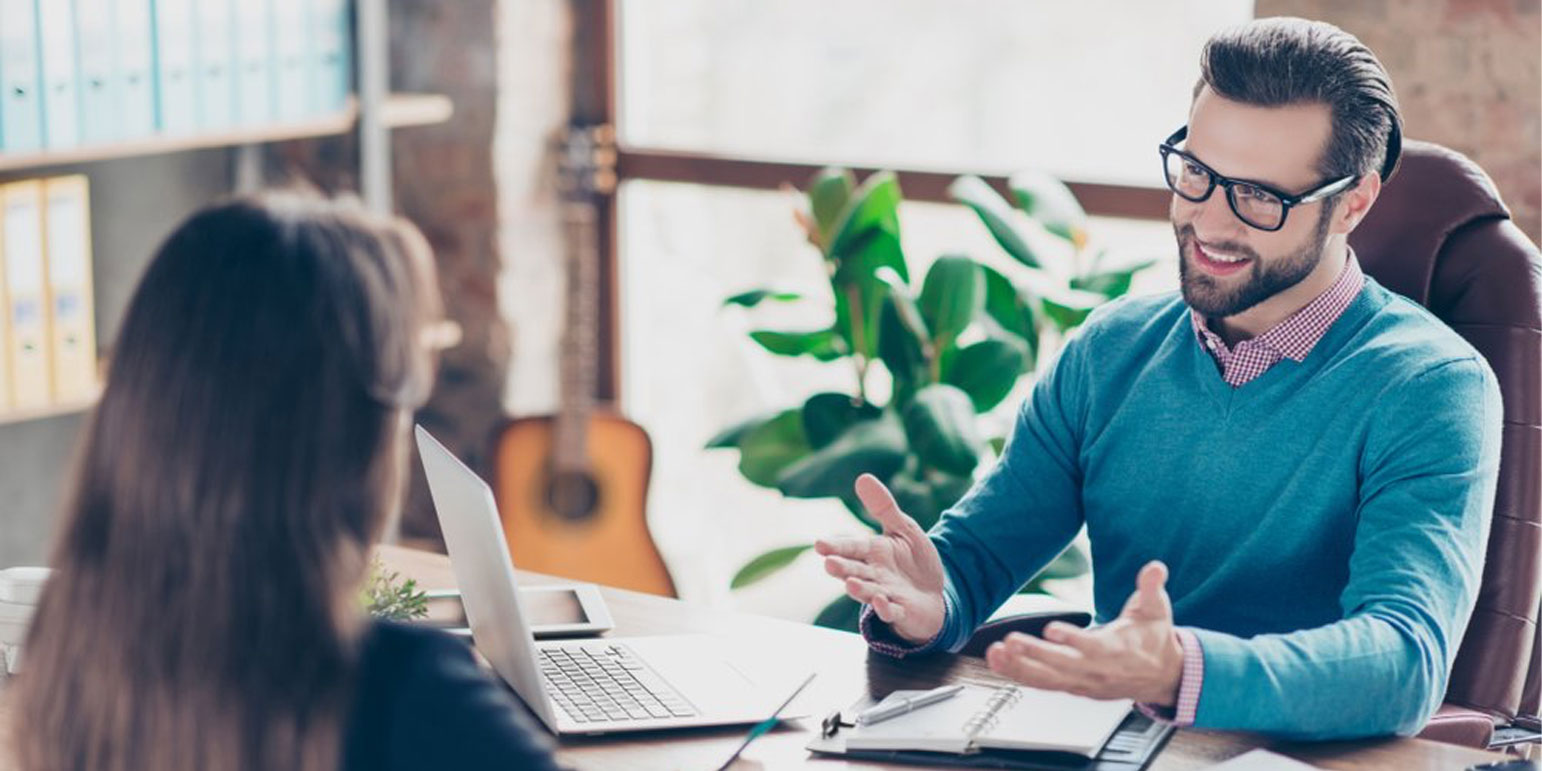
x=772, y=446
x=926, y=496
x=1049, y=201
x=903, y=345
x=828, y=415
x=732, y=435
x=1111, y=283
x=997, y=215
x=1066, y=317
x=766, y=564
x=948, y=489
x=914, y=497
x=872, y=206
x=859, y=292
x=951, y=296
x=755, y=297
x=1045, y=286
x=828, y=193
x=822, y=344
x=1011, y=313
x=987, y=370
x=874, y=447
x=1006, y=305
x=940, y=424
x=905, y=308
x=843, y=613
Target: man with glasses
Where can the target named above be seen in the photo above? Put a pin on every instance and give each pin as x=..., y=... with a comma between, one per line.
x=1292, y=466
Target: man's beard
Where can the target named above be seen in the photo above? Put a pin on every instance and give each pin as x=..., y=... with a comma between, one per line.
x=1205, y=294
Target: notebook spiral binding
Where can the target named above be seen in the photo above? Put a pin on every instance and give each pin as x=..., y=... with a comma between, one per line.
x=982, y=721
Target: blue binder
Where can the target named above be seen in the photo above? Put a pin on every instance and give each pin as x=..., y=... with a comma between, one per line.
x=61, y=92
x=214, y=52
x=21, y=86
x=292, y=64
x=176, y=103
x=330, y=35
x=134, y=68
x=254, y=60
x=98, y=87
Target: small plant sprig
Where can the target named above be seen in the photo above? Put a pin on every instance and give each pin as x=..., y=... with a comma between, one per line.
x=387, y=595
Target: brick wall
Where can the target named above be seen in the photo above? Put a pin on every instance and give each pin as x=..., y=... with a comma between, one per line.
x=1468, y=74
x=444, y=182
x=490, y=214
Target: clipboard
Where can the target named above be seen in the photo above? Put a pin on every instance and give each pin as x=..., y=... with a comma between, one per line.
x=1131, y=748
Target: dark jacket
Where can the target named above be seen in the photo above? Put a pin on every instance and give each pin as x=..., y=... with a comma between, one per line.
x=422, y=702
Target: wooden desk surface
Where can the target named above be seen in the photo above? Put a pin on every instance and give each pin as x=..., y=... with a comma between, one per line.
x=846, y=668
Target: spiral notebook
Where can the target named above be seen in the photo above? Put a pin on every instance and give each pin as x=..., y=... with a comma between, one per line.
x=1004, y=717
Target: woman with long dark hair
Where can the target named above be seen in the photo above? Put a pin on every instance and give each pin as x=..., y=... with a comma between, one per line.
x=249, y=447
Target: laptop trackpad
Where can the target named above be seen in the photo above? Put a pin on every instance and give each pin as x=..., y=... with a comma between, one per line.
x=711, y=673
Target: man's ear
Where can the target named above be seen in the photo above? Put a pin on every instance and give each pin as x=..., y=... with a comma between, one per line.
x=1355, y=203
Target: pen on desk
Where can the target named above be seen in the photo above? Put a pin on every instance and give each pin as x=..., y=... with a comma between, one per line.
x=885, y=711
x=767, y=724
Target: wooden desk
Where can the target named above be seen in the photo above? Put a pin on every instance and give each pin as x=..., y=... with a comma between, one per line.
x=846, y=668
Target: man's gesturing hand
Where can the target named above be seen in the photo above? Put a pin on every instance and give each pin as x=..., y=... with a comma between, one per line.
x=898, y=572
x=1136, y=656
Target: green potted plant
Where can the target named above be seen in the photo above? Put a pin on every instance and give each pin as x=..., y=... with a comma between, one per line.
x=387, y=595
x=954, y=347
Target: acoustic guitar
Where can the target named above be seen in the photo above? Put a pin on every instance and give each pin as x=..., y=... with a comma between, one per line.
x=572, y=488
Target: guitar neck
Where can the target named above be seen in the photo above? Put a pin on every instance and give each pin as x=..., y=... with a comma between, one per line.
x=584, y=155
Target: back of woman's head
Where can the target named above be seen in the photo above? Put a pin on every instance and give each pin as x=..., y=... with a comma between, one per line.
x=248, y=446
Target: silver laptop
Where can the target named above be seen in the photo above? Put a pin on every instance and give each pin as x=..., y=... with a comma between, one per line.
x=590, y=686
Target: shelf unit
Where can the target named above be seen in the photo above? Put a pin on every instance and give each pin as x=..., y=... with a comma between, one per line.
x=398, y=110
x=52, y=410
x=372, y=113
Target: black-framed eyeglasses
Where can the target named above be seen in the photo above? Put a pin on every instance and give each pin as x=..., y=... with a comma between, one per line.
x=1257, y=204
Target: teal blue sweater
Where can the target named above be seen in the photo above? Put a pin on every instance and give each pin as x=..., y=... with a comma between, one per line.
x=1324, y=524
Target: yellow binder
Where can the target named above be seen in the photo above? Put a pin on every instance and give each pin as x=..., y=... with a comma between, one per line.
x=67, y=244
x=26, y=295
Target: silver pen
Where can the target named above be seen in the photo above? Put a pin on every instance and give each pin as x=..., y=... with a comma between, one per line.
x=885, y=711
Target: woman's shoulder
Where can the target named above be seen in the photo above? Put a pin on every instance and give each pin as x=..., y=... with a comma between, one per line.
x=390, y=644
x=421, y=700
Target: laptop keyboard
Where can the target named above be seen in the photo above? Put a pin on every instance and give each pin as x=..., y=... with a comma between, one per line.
x=604, y=683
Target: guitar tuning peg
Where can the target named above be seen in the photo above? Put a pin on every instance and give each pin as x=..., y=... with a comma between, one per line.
x=604, y=181
x=604, y=134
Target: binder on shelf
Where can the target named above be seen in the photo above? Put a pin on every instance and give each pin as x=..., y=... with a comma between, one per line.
x=176, y=111
x=27, y=347
x=330, y=27
x=254, y=62
x=61, y=91
x=214, y=52
x=67, y=246
x=134, y=68
x=292, y=65
x=98, y=86
x=21, y=84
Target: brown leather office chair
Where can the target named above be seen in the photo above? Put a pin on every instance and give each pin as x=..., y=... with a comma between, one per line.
x=1440, y=235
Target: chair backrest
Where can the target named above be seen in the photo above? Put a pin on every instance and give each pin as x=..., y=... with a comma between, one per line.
x=1440, y=235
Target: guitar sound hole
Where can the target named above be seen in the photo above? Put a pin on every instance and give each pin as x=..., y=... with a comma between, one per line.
x=572, y=495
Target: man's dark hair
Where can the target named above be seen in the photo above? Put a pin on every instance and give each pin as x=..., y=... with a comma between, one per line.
x=1282, y=61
